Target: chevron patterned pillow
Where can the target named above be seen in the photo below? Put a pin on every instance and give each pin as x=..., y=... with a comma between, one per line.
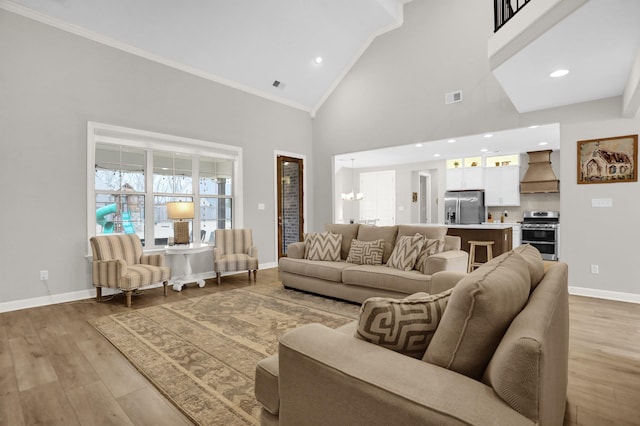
x=429, y=248
x=322, y=246
x=402, y=325
x=406, y=252
x=366, y=252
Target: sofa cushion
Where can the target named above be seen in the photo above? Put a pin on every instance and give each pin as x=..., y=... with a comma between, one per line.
x=481, y=307
x=349, y=231
x=534, y=261
x=385, y=278
x=429, y=248
x=386, y=233
x=402, y=325
x=366, y=252
x=434, y=232
x=266, y=384
x=329, y=271
x=322, y=246
x=406, y=252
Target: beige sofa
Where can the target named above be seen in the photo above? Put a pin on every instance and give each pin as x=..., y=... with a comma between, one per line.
x=513, y=374
x=356, y=283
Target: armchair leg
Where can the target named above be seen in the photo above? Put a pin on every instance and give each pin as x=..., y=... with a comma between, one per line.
x=218, y=277
x=98, y=294
x=128, y=296
x=249, y=274
x=255, y=275
x=164, y=284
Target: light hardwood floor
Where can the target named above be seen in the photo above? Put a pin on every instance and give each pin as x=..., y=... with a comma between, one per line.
x=56, y=369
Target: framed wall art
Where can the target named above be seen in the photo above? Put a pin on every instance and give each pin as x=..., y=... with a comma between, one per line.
x=608, y=160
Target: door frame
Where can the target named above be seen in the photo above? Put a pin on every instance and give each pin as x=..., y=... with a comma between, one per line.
x=303, y=157
x=428, y=197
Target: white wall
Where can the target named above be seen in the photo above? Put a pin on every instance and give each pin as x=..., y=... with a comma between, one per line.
x=394, y=95
x=51, y=84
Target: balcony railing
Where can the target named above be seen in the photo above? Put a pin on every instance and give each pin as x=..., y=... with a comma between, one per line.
x=504, y=10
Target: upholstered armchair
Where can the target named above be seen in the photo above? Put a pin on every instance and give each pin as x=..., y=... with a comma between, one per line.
x=234, y=251
x=118, y=262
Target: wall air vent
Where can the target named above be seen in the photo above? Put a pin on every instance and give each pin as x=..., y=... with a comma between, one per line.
x=276, y=83
x=453, y=97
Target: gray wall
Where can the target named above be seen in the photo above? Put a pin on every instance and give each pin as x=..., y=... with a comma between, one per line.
x=51, y=84
x=394, y=95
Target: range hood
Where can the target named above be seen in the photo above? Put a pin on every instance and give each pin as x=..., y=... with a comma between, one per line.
x=539, y=176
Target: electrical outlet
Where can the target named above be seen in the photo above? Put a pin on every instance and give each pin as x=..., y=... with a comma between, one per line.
x=44, y=275
x=595, y=269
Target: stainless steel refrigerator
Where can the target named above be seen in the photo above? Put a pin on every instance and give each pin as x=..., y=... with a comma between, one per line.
x=464, y=207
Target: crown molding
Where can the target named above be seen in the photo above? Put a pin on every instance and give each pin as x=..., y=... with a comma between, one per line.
x=107, y=41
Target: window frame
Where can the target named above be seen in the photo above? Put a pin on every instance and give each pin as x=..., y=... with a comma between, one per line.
x=153, y=141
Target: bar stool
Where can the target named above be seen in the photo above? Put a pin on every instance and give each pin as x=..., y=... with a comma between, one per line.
x=472, y=253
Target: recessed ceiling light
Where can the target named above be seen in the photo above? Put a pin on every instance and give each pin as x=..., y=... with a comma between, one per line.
x=436, y=155
x=535, y=126
x=543, y=143
x=488, y=135
x=484, y=150
x=451, y=141
x=559, y=73
x=418, y=145
x=318, y=60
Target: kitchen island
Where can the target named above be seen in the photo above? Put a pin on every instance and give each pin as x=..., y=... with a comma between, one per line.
x=500, y=233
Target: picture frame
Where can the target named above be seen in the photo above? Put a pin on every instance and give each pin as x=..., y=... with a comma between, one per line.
x=608, y=160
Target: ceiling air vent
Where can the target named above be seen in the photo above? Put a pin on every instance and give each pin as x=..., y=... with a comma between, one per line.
x=453, y=97
x=276, y=83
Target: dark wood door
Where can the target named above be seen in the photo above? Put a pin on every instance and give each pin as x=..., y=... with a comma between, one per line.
x=290, y=202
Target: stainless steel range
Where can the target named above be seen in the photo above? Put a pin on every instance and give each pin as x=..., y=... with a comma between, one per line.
x=541, y=229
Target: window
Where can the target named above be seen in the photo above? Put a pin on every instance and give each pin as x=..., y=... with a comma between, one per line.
x=133, y=174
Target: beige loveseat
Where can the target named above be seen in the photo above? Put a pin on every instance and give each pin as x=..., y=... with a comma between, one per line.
x=482, y=367
x=356, y=283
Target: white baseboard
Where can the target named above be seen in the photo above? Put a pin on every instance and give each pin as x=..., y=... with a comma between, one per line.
x=89, y=293
x=605, y=294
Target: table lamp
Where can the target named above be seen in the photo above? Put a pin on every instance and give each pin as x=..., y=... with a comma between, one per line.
x=178, y=211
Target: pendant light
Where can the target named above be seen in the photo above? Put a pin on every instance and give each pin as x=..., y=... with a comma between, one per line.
x=351, y=195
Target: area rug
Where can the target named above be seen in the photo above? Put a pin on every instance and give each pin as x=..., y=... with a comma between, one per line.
x=201, y=353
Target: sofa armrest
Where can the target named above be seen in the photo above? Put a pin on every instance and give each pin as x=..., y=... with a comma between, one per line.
x=328, y=377
x=217, y=253
x=152, y=259
x=107, y=273
x=444, y=280
x=451, y=260
x=253, y=251
x=296, y=250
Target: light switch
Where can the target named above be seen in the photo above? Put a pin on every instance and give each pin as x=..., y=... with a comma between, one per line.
x=601, y=202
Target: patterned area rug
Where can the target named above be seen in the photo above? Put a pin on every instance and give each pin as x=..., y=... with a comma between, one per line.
x=201, y=353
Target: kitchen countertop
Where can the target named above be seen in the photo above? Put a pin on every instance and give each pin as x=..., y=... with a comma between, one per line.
x=484, y=226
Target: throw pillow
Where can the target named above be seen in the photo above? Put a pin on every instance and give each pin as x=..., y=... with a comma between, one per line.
x=322, y=246
x=366, y=252
x=480, y=310
x=406, y=252
x=402, y=325
x=430, y=247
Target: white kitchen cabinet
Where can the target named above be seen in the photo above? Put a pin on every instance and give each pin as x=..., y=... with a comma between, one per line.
x=516, y=235
x=465, y=178
x=502, y=186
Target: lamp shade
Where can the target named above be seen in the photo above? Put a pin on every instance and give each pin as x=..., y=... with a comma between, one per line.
x=180, y=210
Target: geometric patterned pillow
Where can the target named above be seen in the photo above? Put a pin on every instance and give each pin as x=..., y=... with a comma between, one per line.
x=429, y=248
x=406, y=252
x=402, y=325
x=322, y=246
x=366, y=252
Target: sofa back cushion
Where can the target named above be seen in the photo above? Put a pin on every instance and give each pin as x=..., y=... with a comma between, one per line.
x=121, y=246
x=433, y=232
x=386, y=233
x=349, y=231
x=534, y=261
x=529, y=368
x=480, y=310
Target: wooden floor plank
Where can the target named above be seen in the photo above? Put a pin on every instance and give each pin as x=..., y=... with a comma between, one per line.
x=47, y=404
x=11, y=410
x=95, y=405
x=147, y=407
x=32, y=365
